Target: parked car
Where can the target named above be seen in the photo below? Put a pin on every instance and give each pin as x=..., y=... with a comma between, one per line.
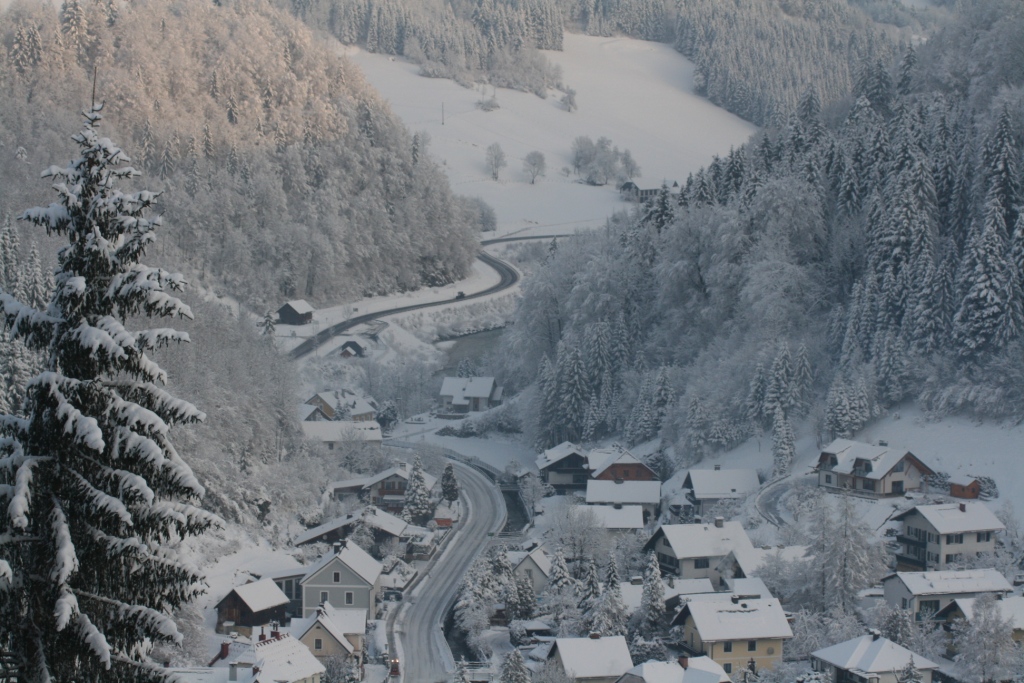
x=460, y=295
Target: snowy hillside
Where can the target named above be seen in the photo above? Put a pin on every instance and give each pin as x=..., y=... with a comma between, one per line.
x=637, y=93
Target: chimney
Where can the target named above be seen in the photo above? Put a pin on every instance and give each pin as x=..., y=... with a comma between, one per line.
x=963, y=507
x=275, y=632
x=337, y=547
x=225, y=649
x=263, y=636
x=595, y=635
x=735, y=599
x=684, y=661
x=719, y=522
x=718, y=468
x=875, y=634
x=884, y=444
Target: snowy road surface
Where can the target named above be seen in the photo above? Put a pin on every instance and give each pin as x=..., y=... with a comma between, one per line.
x=422, y=648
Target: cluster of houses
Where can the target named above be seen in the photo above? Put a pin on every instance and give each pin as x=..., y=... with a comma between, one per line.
x=341, y=416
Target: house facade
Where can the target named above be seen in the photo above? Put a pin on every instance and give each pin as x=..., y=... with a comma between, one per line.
x=565, y=467
x=347, y=577
x=719, y=551
x=297, y=312
x=615, y=463
x=534, y=566
x=735, y=631
x=926, y=593
x=469, y=394
x=964, y=487
x=869, y=470
x=935, y=536
x=706, y=487
x=332, y=632
x=246, y=607
x=385, y=490
x=869, y=658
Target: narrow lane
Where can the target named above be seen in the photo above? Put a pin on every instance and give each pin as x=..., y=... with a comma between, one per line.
x=424, y=652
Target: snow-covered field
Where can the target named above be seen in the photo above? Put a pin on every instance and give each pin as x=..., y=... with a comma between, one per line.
x=637, y=93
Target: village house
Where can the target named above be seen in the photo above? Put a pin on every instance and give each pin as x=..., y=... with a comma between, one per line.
x=926, y=593
x=296, y=312
x=276, y=657
x=250, y=606
x=351, y=348
x=615, y=463
x=683, y=670
x=592, y=660
x=933, y=536
x=617, y=519
x=332, y=632
x=347, y=577
x=870, y=470
x=870, y=659
x=646, y=494
x=289, y=581
x=564, y=467
x=534, y=565
x=1010, y=608
x=704, y=488
x=344, y=405
x=310, y=413
x=735, y=631
x=718, y=551
x=384, y=490
x=384, y=526
x=963, y=486
x=469, y=394
x=679, y=590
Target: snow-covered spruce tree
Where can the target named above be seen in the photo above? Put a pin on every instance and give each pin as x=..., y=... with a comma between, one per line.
x=783, y=444
x=93, y=489
x=268, y=325
x=513, y=668
x=417, y=499
x=449, y=484
x=652, y=600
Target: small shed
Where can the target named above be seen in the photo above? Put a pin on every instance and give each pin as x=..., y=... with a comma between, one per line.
x=964, y=487
x=254, y=604
x=352, y=349
x=296, y=312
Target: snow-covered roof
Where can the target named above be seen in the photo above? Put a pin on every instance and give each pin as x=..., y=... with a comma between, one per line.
x=625, y=492
x=871, y=654
x=403, y=470
x=337, y=431
x=623, y=517
x=956, y=518
x=709, y=540
x=305, y=411
x=461, y=389
x=1010, y=608
x=680, y=588
x=540, y=558
x=261, y=595
x=698, y=670
x=719, y=484
x=300, y=306
x=594, y=657
x=199, y=674
x=353, y=557
x=337, y=622
x=962, y=479
x=558, y=453
x=600, y=459
x=718, y=620
x=373, y=516
x=849, y=453
x=283, y=659
x=952, y=582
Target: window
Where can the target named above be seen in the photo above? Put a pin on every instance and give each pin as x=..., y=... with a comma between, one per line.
x=727, y=668
x=701, y=563
x=529, y=575
x=952, y=557
x=897, y=487
x=904, y=603
x=625, y=473
x=868, y=485
x=751, y=646
x=668, y=560
x=318, y=644
x=349, y=597
x=323, y=596
x=337, y=577
x=928, y=607
x=727, y=645
x=953, y=539
x=900, y=466
x=828, y=478
x=984, y=537
x=579, y=479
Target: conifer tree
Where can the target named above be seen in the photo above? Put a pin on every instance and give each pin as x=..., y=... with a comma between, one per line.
x=651, y=613
x=95, y=493
x=417, y=498
x=513, y=668
x=268, y=325
x=449, y=484
x=783, y=444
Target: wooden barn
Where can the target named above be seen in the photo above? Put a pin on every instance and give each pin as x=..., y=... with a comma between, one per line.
x=295, y=313
x=964, y=487
x=252, y=605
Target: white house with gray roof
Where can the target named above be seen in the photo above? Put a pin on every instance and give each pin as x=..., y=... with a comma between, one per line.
x=718, y=551
x=683, y=670
x=347, y=577
x=925, y=593
x=707, y=487
x=469, y=394
x=870, y=470
x=592, y=660
x=935, y=536
x=870, y=658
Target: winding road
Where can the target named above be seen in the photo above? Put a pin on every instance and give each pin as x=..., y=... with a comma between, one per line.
x=509, y=277
x=424, y=654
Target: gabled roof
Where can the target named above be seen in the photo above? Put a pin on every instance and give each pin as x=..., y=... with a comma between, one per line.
x=956, y=518
x=539, y=557
x=337, y=431
x=307, y=412
x=300, y=306
x=594, y=657
x=871, y=655
x=402, y=471
x=963, y=479
x=708, y=540
x=558, y=453
x=882, y=458
x=353, y=557
x=1010, y=608
x=600, y=459
x=284, y=659
x=625, y=492
x=952, y=582
x=719, y=484
x=337, y=622
x=461, y=389
x=623, y=517
x=679, y=590
x=373, y=516
x=718, y=620
x=260, y=595
x=699, y=670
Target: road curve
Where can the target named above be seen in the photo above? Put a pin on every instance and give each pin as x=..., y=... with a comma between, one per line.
x=425, y=655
